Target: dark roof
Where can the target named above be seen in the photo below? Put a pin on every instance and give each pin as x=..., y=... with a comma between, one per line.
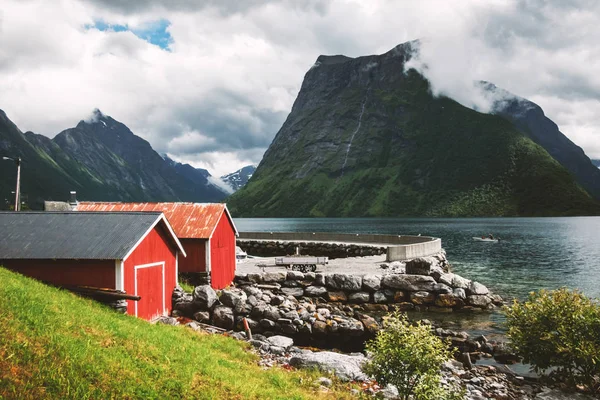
x=73, y=235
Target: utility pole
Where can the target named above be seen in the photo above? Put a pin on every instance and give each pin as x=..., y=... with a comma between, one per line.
x=18, y=189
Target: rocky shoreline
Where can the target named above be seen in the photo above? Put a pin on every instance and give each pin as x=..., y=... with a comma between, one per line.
x=336, y=310
x=480, y=382
x=286, y=310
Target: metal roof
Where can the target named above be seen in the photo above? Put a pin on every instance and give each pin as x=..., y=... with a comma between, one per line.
x=189, y=220
x=74, y=235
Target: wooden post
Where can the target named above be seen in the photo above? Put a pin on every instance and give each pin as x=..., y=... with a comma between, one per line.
x=247, y=329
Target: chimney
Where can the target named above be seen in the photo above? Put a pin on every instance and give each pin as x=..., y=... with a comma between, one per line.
x=73, y=198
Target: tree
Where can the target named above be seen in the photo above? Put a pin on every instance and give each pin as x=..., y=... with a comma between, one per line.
x=558, y=332
x=409, y=356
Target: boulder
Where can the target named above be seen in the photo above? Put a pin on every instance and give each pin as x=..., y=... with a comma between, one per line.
x=294, y=276
x=202, y=316
x=223, y=317
x=309, y=276
x=324, y=312
x=351, y=327
x=287, y=326
x=371, y=283
x=267, y=324
x=477, y=288
x=252, y=301
x=442, y=288
x=205, y=297
x=448, y=300
x=315, y=291
x=496, y=299
x=320, y=279
x=296, y=292
x=411, y=283
x=478, y=300
x=376, y=307
x=274, y=277
x=165, y=320
x=337, y=296
x=319, y=328
x=232, y=297
x=277, y=300
x=291, y=315
x=418, y=266
x=258, y=311
x=260, y=345
x=280, y=341
x=383, y=296
x=422, y=297
x=446, y=279
x=460, y=293
x=359, y=297
x=345, y=367
x=369, y=322
x=252, y=291
x=460, y=282
x=272, y=313
x=184, y=304
x=254, y=278
x=343, y=282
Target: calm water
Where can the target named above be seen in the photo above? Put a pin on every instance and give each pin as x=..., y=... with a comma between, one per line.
x=533, y=253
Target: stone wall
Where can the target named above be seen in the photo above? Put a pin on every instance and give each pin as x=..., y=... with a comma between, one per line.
x=264, y=248
x=396, y=247
x=328, y=309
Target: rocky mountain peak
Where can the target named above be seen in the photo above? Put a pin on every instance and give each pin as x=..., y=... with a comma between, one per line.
x=366, y=137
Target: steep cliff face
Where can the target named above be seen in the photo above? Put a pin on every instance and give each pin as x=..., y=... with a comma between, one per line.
x=102, y=160
x=364, y=138
x=530, y=119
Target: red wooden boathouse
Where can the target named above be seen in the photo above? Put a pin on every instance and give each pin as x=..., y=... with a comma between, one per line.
x=134, y=252
x=206, y=231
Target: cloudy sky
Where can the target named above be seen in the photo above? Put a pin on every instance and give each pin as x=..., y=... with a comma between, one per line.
x=210, y=82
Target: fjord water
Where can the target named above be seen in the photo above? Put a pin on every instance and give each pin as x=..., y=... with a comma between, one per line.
x=532, y=254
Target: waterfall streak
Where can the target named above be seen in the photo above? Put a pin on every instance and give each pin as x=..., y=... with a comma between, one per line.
x=362, y=111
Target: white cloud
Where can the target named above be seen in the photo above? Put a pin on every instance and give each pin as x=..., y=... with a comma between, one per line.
x=218, y=97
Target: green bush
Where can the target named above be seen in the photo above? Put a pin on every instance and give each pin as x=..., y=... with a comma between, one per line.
x=558, y=332
x=409, y=357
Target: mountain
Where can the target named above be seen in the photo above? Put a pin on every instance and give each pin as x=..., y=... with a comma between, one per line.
x=102, y=160
x=39, y=172
x=197, y=175
x=529, y=118
x=596, y=163
x=365, y=138
x=238, y=179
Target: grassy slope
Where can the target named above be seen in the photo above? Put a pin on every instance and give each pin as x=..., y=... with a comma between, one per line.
x=432, y=157
x=54, y=344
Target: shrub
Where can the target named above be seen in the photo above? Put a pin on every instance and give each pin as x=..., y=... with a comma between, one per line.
x=558, y=332
x=409, y=357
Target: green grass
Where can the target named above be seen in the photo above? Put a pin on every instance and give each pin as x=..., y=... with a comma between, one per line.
x=186, y=286
x=54, y=344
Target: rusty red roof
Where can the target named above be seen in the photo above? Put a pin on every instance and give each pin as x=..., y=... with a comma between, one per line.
x=189, y=220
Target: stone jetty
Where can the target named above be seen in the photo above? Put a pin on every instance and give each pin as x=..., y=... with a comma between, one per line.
x=339, y=310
